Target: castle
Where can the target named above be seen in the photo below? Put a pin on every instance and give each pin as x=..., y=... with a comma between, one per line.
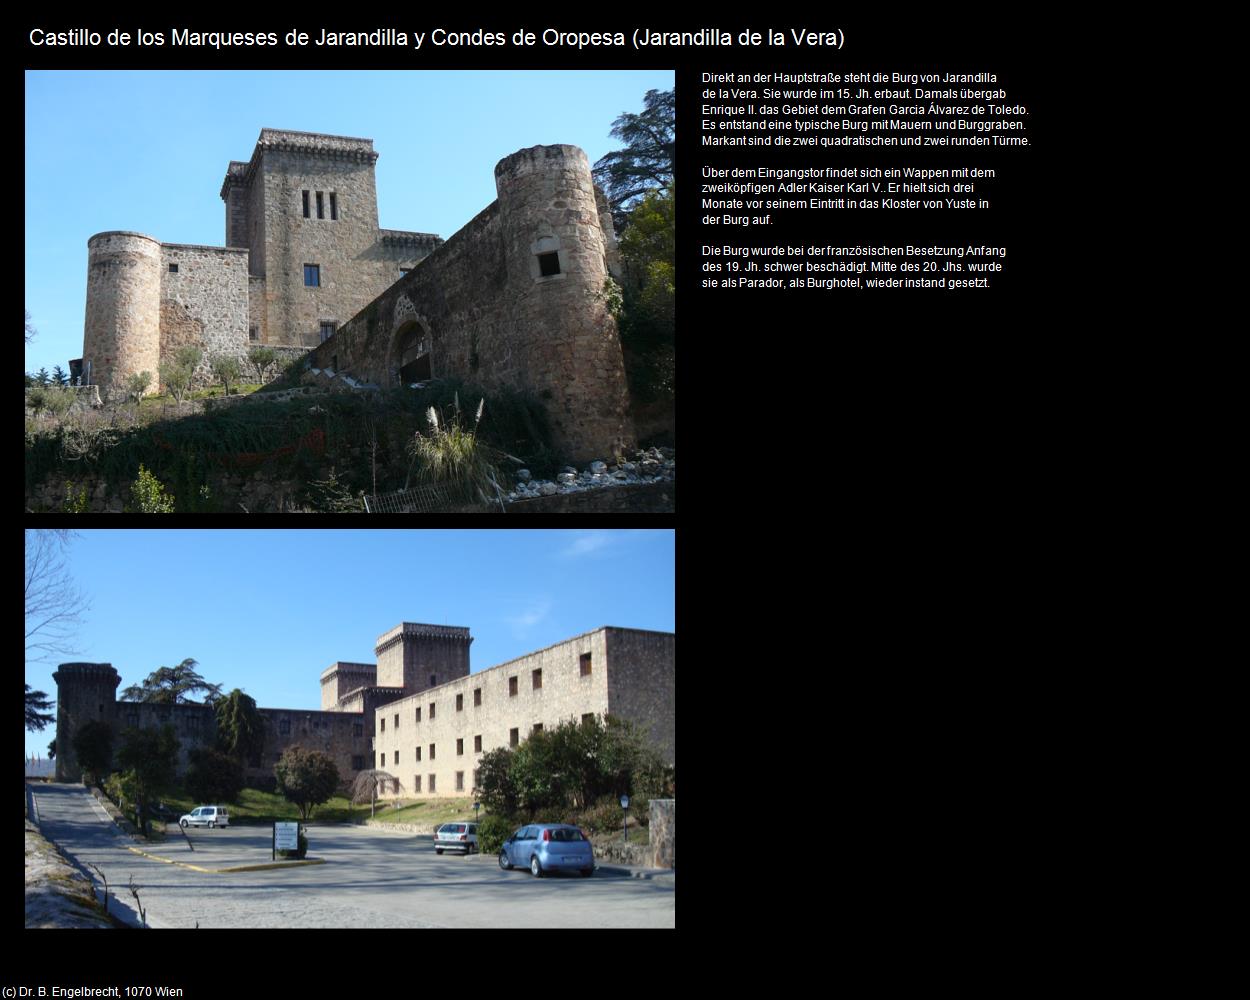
x=517, y=298
x=417, y=713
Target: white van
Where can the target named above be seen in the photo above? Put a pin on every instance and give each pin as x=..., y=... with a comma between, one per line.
x=210, y=816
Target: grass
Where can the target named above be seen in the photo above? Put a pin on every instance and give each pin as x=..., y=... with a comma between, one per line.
x=425, y=812
x=155, y=403
x=255, y=806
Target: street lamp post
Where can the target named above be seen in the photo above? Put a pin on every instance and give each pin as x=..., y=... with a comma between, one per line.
x=624, y=819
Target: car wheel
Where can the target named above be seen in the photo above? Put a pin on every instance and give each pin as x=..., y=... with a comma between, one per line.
x=504, y=863
x=535, y=868
x=587, y=872
x=212, y=825
x=182, y=823
x=438, y=850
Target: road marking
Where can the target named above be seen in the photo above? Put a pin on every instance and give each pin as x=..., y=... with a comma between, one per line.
x=239, y=868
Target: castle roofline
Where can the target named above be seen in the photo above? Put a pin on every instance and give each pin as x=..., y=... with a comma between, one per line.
x=404, y=236
x=392, y=636
x=346, y=667
x=338, y=147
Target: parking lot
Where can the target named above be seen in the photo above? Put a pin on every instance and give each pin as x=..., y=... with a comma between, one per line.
x=371, y=877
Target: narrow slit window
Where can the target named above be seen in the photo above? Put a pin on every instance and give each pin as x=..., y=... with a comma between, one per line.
x=305, y=204
x=334, y=206
x=321, y=208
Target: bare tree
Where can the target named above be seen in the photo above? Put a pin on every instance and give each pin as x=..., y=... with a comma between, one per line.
x=54, y=605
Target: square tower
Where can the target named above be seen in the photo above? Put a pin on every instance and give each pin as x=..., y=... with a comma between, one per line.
x=415, y=657
x=306, y=207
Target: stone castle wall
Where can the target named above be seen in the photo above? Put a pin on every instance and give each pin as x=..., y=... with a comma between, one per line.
x=493, y=317
x=641, y=684
x=204, y=303
x=121, y=332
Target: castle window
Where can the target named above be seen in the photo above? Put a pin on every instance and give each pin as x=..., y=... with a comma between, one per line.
x=305, y=204
x=548, y=264
x=511, y=687
x=431, y=751
x=334, y=206
x=460, y=781
x=173, y=268
x=431, y=782
x=321, y=210
x=431, y=710
x=381, y=725
x=327, y=331
x=477, y=778
x=418, y=713
x=396, y=756
x=538, y=728
x=396, y=720
x=252, y=334
x=416, y=782
x=585, y=664
x=418, y=753
x=514, y=737
x=477, y=744
x=384, y=760
x=312, y=275
x=477, y=696
x=537, y=679
x=460, y=747
x=459, y=703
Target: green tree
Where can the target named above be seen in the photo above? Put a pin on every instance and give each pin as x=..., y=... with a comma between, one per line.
x=240, y=726
x=306, y=778
x=227, y=369
x=147, y=758
x=38, y=715
x=178, y=372
x=59, y=377
x=52, y=749
x=261, y=358
x=648, y=320
x=173, y=686
x=137, y=384
x=42, y=376
x=93, y=745
x=495, y=786
x=646, y=162
x=149, y=496
x=213, y=776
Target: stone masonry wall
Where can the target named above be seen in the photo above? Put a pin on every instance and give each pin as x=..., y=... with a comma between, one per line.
x=493, y=318
x=121, y=332
x=642, y=683
x=205, y=302
x=406, y=728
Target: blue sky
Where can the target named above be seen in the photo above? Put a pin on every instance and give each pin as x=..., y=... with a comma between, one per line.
x=147, y=151
x=268, y=610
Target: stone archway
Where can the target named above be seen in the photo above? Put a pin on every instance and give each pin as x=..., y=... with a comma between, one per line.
x=410, y=353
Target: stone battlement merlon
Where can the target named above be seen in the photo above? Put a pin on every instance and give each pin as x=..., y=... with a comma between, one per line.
x=337, y=147
x=404, y=236
x=343, y=667
x=389, y=638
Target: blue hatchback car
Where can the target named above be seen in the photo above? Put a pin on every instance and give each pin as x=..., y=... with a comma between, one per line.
x=548, y=847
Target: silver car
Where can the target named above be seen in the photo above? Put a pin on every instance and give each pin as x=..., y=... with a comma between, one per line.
x=548, y=847
x=456, y=837
x=209, y=816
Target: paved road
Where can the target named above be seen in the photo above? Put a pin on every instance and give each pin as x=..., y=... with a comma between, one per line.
x=372, y=878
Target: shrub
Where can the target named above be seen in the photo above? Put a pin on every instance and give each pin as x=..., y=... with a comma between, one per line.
x=450, y=454
x=137, y=384
x=261, y=358
x=605, y=815
x=149, y=495
x=492, y=832
x=214, y=776
x=54, y=400
x=75, y=503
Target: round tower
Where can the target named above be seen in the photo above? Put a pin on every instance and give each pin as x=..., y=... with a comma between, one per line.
x=556, y=258
x=122, y=332
x=84, y=692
